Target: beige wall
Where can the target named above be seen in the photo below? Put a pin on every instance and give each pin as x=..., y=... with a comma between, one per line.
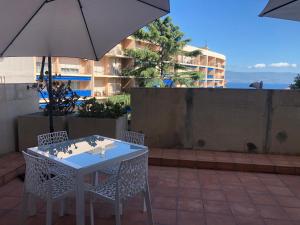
x=17, y=70
x=15, y=100
x=219, y=119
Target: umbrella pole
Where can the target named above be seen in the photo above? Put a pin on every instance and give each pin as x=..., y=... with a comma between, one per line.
x=50, y=106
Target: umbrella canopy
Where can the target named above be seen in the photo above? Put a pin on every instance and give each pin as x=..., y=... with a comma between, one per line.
x=72, y=28
x=282, y=9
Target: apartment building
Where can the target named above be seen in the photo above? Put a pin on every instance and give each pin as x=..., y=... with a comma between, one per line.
x=103, y=78
x=211, y=64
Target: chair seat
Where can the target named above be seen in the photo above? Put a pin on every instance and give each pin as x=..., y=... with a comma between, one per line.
x=105, y=190
x=61, y=186
x=112, y=170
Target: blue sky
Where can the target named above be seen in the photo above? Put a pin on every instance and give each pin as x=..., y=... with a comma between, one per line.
x=232, y=27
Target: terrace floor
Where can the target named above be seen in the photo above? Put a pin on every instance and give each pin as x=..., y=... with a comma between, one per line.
x=182, y=196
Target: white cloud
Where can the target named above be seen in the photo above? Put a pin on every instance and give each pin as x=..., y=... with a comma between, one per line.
x=283, y=65
x=273, y=65
x=260, y=65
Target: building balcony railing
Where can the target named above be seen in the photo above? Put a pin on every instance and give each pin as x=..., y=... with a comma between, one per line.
x=80, y=92
x=67, y=78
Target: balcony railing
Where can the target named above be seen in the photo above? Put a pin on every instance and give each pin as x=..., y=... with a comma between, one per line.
x=81, y=93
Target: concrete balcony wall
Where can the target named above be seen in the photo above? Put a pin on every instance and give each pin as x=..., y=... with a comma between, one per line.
x=15, y=100
x=261, y=121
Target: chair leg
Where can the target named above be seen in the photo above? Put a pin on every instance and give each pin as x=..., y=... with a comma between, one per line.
x=96, y=178
x=144, y=207
x=49, y=213
x=148, y=204
x=92, y=212
x=117, y=212
x=32, y=203
x=62, y=207
x=24, y=208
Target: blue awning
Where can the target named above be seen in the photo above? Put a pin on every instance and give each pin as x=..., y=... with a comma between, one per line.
x=81, y=93
x=66, y=78
x=168, y=82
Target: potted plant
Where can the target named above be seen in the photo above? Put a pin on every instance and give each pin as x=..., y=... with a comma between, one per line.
x=107, y=119
x=64, y=103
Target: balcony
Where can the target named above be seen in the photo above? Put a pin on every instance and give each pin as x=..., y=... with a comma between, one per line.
x=116, y=51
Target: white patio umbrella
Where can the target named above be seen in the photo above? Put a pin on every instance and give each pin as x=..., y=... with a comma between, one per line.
x=71, y=28
x=282, y=9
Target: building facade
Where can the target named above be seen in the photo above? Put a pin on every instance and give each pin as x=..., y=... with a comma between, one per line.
x=102, y=79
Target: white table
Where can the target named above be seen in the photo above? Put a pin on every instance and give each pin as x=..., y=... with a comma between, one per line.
x=86, y=156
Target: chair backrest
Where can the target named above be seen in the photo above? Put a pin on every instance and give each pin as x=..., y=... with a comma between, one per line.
x=132, y=176
x=52, y=138
x=37, y=176
x=132, y=137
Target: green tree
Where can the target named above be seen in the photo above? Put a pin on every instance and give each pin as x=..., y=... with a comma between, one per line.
x=158, y=58
x=296, y=84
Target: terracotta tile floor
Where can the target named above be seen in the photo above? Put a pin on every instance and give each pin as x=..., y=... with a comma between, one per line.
x=188, y=197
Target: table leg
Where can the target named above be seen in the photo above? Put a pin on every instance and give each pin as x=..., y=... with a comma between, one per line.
x=80, y=217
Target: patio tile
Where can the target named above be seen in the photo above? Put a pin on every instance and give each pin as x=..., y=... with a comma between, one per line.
x=217, y=219
x=243, y=209
x=167, y=182
x=250, y=202
x=164, y=191
x=189, y=183
x=257, y=188
x=272, y=212
x=190, y=204
x=131, y=216
x=164, y=216
x=293, y=202
x=293, y=213
x=10, y=218
x=170, y=154
x=188, y=218
x=233, y=187
x=160, y=202
x=263, y=199
x=272, y=181
x=278, y=222
x=237, y=196
x=242, y=220
x=282, y=191
x=213, y=195
x=189, y=192
x=218, y=207
x=9, y=202
x=155, y=153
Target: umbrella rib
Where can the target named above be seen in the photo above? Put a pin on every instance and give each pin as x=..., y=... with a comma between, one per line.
x=88, y=31
x=154, y=6
x=17, y=35
x=279, y=7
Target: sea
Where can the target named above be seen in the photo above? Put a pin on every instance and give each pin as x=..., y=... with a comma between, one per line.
x=277, y=86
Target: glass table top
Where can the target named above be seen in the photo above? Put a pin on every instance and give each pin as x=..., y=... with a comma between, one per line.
x=88, y=151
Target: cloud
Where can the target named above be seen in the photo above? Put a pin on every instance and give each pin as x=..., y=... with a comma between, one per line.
x=283, y=65
x=273, y=65
x=259, y=66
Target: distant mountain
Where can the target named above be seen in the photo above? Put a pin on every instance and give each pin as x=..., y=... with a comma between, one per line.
x=266, y=77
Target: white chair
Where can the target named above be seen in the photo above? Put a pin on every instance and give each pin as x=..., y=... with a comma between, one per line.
x=52, y=138
x=127, y=136
x=40, y=183
x=130, y=180
x=132, y=137
x=49, y=139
